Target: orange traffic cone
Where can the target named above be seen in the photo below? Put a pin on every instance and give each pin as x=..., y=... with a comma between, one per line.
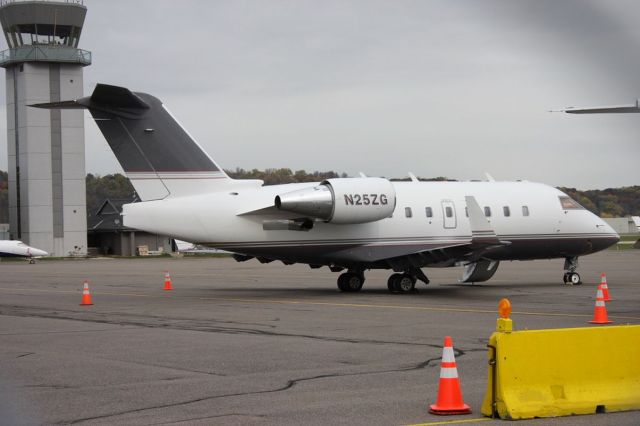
x=449, y=394
x=86, y=295
x=167, y=281
x=600, y=312
x=605, y=287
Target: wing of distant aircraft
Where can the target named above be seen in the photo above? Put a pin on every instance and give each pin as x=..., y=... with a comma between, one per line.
x=612, y=109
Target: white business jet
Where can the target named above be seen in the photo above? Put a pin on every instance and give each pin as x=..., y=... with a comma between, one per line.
x=14, y=248
x=347, y=224
x=610, y=109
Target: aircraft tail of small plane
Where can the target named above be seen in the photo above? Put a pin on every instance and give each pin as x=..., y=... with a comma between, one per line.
x=157, y=154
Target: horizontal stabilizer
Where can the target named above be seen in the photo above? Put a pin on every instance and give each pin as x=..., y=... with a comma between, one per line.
x=115, y=100
x=60, y=105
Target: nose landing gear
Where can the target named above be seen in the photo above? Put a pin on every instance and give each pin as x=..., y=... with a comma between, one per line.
x=571, y=277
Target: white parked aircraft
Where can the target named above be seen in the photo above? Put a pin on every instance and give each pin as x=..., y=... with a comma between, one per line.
x=14, y=248
x=611, y=109
x=350, y=224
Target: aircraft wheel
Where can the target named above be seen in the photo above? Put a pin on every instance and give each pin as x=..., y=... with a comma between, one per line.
x=392, y=283
x=406, y=283
x=573, y=278
x=342, y=282
x=350, y=282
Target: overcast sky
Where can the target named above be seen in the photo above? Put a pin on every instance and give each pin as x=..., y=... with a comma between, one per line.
x=438, y=88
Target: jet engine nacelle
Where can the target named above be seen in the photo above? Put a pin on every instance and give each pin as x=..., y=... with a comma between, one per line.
x=343, y=200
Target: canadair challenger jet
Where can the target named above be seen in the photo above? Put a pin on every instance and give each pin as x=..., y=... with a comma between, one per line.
x=346, y=224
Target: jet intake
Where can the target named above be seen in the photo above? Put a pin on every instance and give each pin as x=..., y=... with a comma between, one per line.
x=342, y=200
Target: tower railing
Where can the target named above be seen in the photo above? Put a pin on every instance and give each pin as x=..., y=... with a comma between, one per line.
x=45, y=53
x=5, y=2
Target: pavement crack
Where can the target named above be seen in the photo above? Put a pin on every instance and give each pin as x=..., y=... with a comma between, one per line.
x=186, y=325
x=25, y=354
x=287, y=386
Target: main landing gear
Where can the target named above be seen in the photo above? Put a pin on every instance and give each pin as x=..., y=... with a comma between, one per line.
x=351, y=282
x=571, y=277
x=401, y=283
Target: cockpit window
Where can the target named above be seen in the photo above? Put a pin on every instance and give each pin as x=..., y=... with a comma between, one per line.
x=569, y=204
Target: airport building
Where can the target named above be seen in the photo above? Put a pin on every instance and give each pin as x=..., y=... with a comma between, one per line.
x=46, y=153
x=108, y=235
x=624, y=225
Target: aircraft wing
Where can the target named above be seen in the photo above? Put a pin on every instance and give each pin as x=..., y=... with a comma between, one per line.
x=612, y=109
x=483, y=240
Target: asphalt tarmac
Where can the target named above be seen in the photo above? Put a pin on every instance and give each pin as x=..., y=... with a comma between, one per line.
x=246, y=343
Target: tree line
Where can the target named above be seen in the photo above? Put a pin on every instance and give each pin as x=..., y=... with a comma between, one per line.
x=610, y=202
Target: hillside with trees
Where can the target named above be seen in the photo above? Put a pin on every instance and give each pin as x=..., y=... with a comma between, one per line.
x=611, y=202
x=100, y=188
x=280, y=176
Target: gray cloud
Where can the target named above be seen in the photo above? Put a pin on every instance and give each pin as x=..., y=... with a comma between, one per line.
x=437, y=88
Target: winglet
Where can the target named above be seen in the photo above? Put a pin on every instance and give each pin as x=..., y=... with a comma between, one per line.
x=481, y=231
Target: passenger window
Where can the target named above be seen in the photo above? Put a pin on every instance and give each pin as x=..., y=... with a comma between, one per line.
x=448, y=211
x=466, y=211
x=487, y=211
x=506, y=211
x=407, y=212
x=428, y=211
x=525, y=211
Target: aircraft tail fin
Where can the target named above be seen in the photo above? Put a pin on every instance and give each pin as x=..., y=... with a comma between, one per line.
x=159, y=157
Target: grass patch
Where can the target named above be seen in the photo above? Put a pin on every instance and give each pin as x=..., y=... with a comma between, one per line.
x=626, y=243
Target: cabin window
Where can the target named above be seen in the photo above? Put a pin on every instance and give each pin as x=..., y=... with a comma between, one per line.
x=525, y=211
x=407, y=212
x=466, y=211
x=569, y=204
x=506, y=211
x=428, y=211
x=448, y=211
x=487, y=211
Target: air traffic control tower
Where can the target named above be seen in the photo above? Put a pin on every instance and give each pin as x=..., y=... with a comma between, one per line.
x=47, y=195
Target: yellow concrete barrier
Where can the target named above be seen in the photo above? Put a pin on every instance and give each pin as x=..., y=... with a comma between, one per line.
x=549, y=373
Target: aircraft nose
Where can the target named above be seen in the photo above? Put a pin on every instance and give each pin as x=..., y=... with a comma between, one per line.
x=38, y=252
x=605, y=228
x=609, y=235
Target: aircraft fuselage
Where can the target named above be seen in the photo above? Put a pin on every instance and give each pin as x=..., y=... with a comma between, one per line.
x=537, y=225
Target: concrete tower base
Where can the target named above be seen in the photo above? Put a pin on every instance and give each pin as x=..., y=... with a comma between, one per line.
x=47, y=193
